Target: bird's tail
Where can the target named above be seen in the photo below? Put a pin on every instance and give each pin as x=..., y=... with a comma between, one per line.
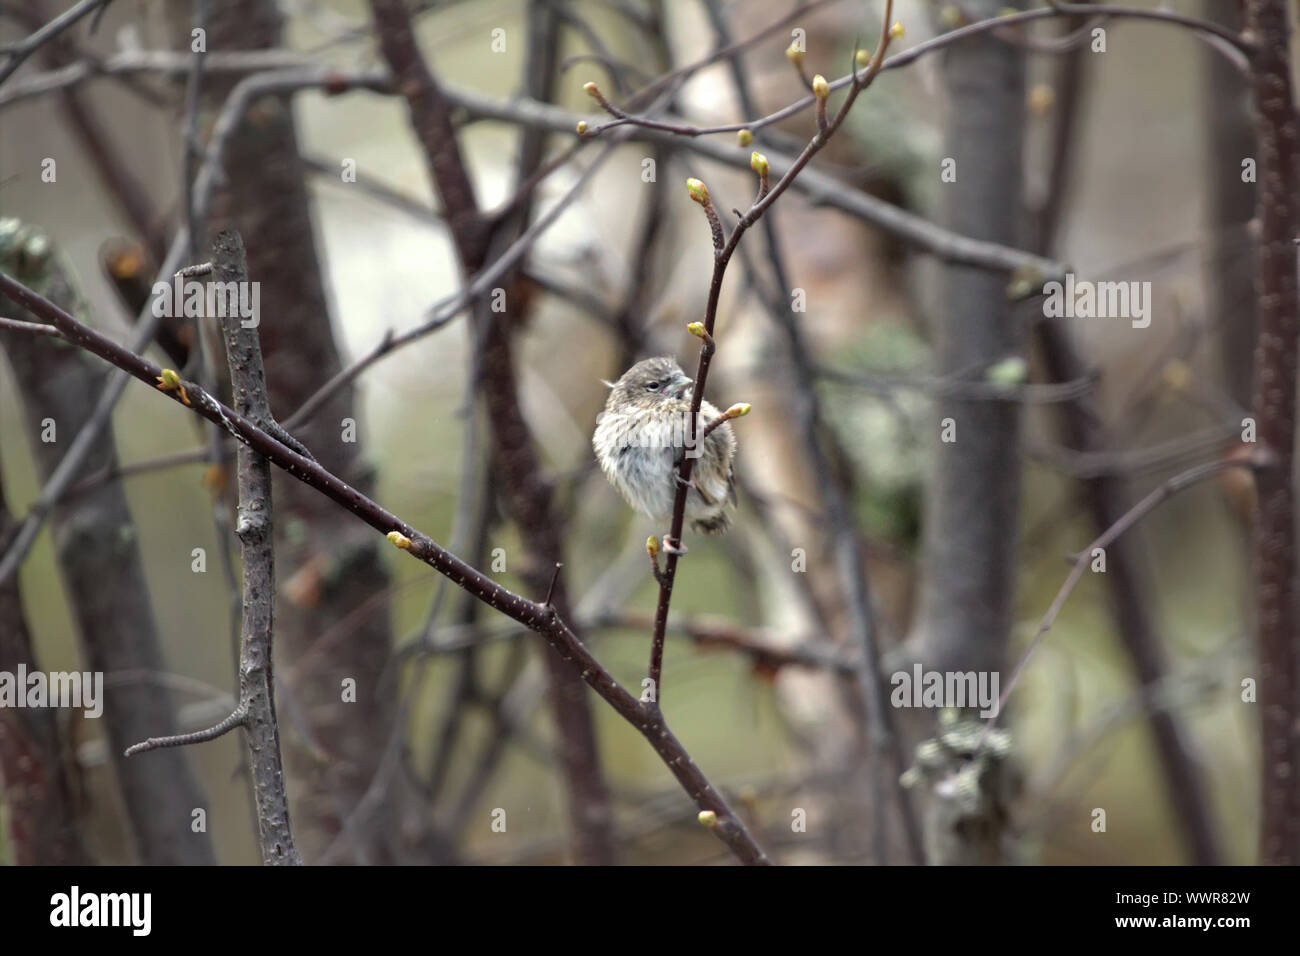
x=716, y=523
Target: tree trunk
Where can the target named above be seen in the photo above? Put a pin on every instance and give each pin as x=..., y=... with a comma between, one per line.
x=973, y=497
x=103, y=572
x=43, y=827
x=1275, y=395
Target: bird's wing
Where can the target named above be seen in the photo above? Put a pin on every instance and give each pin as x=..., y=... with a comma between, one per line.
x=704, y=496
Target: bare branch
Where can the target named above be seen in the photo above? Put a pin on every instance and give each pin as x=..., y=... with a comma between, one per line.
x=1219, y=37
x=1257, y=461
x=20, y=51
x=253, y=527
x=723, y=251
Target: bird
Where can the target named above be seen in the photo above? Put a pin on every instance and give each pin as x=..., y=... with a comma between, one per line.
x=643, y=433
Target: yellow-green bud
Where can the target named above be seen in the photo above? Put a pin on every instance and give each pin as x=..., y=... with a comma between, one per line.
x=896, y=31
x=1041, y=99
x=821, y=89
x=744, y=137
x=794, y=54
x=582, y=127
x=1018, y=289
x=758, y=163
x=1009, y=371
x=1177, y=375
x=696, y=329
x=708, y=818
x=1023, y=282
x=399, y=540
x=699, y=192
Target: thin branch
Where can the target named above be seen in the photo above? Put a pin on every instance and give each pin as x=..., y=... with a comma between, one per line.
x=765, y=655
x=131, y=63
x=193, y=456
x=1257, y=461
x=1221, y=37
x=738, y=410
x=723, y=250
x=31, y=328
x=885, y=383
x=819, y=188
x=446, y=310
x=838, y=521
x=256, y=709
x=237, y=718
x=727, y=52
x=254, y=530
x=20, y=51
x=882, y=737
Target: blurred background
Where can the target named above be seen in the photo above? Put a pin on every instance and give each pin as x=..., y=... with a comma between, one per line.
x=1123, y=163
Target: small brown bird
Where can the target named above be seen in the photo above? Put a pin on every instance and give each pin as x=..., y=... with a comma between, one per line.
x=642, y=435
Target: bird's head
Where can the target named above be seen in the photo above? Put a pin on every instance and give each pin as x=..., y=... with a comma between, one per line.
x=650, y=382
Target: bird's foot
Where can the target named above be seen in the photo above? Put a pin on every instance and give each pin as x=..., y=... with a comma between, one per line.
x=673, y=546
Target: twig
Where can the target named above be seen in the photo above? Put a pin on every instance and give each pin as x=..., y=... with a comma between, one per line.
x=738, y=410
x=708, y=633
x=444, y=311
x=32, y=328
x=256, y=709
x=818, y=187
x=236, y=718
x=724, y=247
x=1258, y=461
x=191, y=148
x=1220, y=36
x=20, y=51
x=885, y=383
x=132, y=63
x=471, y=527
x=729, y=51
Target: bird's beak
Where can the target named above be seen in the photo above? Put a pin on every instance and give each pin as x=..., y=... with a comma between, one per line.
x=681, y=386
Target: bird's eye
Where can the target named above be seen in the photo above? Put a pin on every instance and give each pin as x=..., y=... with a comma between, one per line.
x=653, y=386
